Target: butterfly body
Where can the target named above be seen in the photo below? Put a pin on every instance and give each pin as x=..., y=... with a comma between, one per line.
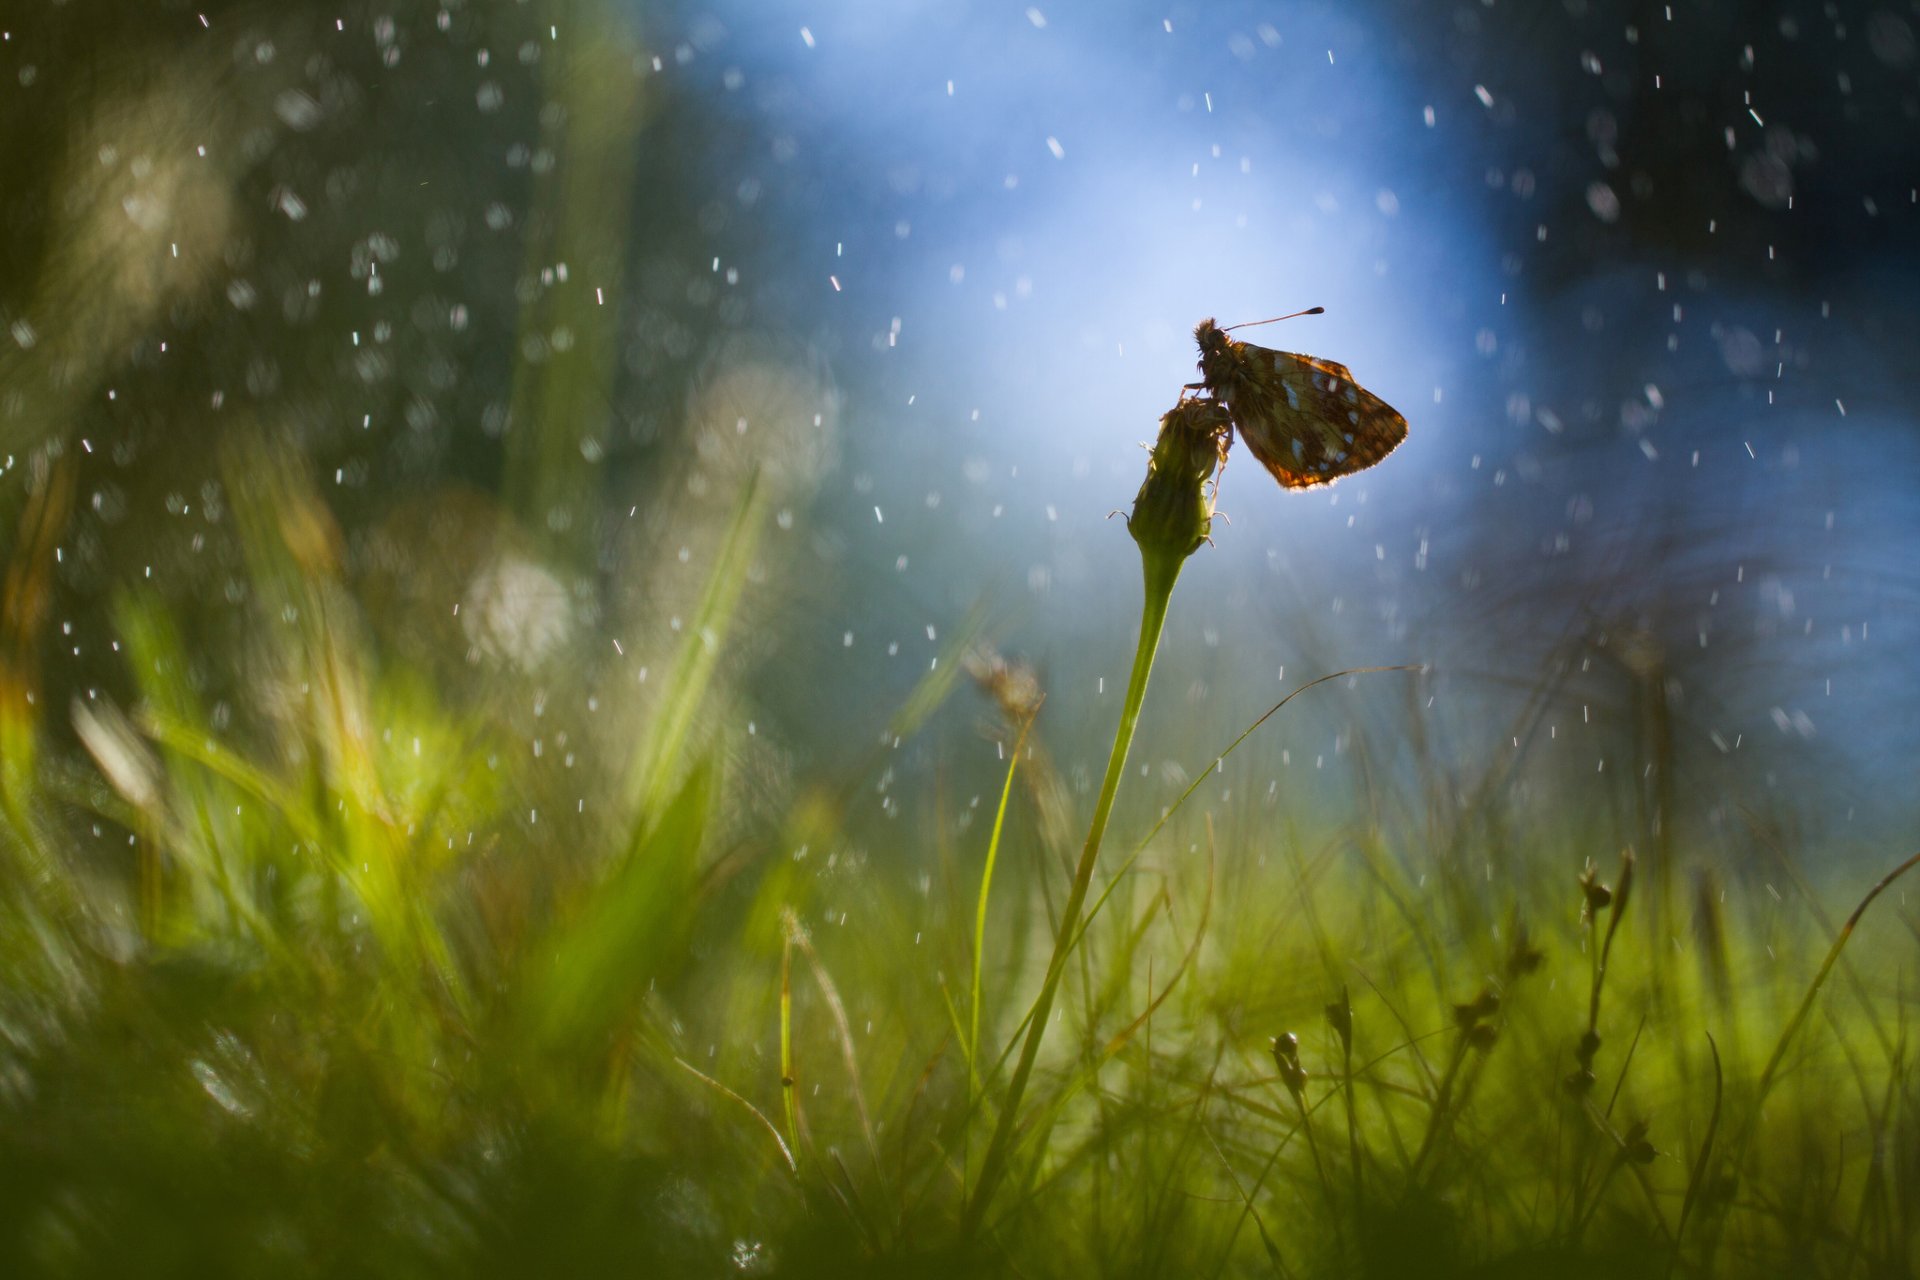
x=1306, y=419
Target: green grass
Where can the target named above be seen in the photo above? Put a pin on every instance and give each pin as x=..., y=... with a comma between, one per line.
x=348, y=981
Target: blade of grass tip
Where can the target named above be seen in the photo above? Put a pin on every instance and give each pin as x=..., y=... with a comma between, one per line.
x=843, y=1029
x=937, y=685
x=786, y=1152
x=955, y=1025
x=1780, y=1047
x=1762, y=836
x=926, y=697
x=627, y=929
x=194, y=744
x=1699, y=1176
x=657, y=759
x=26, y=597
x=980, y=911
x=1819, y=980
x=846, y=1205
x=856, y=1208
x=789, y=1083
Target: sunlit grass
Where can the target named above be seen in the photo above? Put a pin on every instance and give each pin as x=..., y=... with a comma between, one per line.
x=339, y=981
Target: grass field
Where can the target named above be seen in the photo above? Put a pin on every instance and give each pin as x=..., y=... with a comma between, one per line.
x=386, y=972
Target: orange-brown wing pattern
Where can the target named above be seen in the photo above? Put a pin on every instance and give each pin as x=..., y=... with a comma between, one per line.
x=1304, y=418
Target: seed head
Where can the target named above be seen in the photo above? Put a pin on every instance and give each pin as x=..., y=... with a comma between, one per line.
x=1340, y=1018
x=1637, y=1148
x=1286, y=1056
x=1598, y=896
x=1483, y=1006
x=1523, y=958
x=1588, y=1047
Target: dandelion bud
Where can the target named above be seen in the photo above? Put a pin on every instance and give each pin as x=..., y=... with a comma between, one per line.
x=1173, y=512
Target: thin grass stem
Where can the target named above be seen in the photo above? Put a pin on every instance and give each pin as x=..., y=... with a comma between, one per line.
x=980, y=911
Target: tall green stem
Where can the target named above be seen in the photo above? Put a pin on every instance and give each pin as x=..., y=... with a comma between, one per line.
x=1160, y=568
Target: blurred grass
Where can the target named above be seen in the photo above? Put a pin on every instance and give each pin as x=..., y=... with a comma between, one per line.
x=289, y=988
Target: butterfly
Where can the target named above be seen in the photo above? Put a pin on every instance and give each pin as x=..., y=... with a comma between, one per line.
x=1306, y=419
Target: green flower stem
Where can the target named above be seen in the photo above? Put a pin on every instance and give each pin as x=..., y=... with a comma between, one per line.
x=1160, y=568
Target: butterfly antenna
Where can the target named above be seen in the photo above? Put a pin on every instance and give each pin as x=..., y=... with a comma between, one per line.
x=1310, y=311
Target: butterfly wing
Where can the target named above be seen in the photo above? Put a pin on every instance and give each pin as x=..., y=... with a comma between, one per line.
x=1306, y=419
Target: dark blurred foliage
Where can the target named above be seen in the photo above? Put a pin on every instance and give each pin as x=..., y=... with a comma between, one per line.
x=343, y=228
x=1707, y=222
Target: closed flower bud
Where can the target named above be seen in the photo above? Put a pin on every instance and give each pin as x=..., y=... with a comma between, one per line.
x=1173, y=512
